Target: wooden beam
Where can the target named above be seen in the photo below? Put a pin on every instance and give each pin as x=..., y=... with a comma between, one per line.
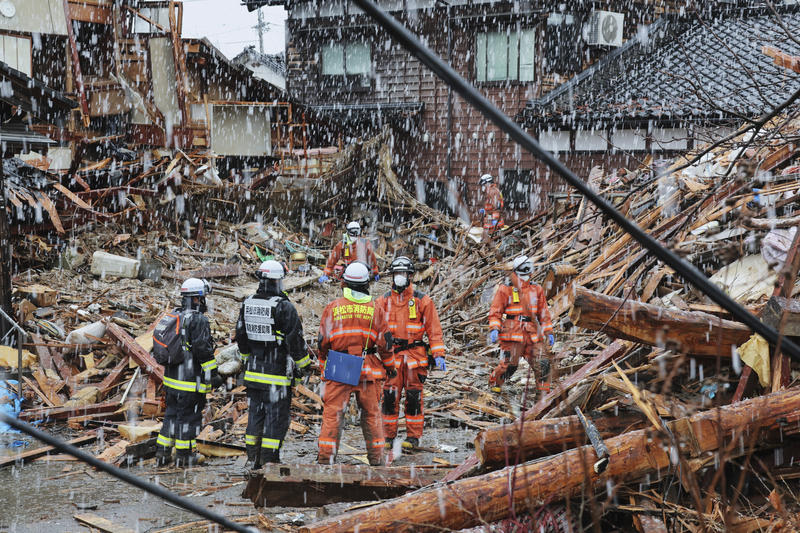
x=511, y=443
x=613, y=350
x=487, y=498
x=83, y=12
x=683, y=331
x=316, y=485
x=128, y=345
x=44, y=450
x=782, y=59
x=58, y=413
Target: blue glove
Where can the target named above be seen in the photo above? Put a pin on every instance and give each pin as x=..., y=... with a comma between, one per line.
x=493, y=336
x=481, y=211
x=377, y=277
x=440, y=364
x=551, y=339
x=323, y=278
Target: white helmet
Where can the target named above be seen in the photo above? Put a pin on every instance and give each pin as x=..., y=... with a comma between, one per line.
x=195, y=287
x=353, y=229
x=356, y=272
x=271, y=270
x=486, y=178
x=523, y=265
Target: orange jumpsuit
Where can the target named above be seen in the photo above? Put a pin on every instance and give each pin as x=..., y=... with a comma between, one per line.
x=493, y=205
x=357, y=249
x=411, y=315
x=524, y=329
x=352, y=324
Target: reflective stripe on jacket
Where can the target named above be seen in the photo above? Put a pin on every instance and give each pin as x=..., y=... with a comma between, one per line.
x=528, y=300
x=411, y=315
x=350, y=324
x=359, y=249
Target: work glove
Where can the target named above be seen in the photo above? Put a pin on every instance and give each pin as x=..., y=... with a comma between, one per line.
x=377, y=277
x=391, y=372
x=481, y=211
x=493, y=335
x=304, y=371
x=440, y=364
x=323, y=278
x=551, y=339
x=216, y=380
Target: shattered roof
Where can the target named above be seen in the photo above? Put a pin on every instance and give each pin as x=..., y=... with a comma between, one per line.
x=32, y=95
x=698, y=69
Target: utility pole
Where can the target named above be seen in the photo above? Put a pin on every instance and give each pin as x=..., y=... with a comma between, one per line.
x=261, y=26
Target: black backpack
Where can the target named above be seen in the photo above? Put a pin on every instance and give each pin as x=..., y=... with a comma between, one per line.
x=168, y=340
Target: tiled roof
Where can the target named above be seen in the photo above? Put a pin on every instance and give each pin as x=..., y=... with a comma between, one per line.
x=699, y=69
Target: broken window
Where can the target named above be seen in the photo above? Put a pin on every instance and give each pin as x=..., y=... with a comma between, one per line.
x=353, y=58
x=16, y=53
x=505, y=55
x=515, y=186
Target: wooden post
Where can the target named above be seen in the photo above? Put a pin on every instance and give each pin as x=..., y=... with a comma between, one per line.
x=76, y=66
x=5, y=258
x=633, y=455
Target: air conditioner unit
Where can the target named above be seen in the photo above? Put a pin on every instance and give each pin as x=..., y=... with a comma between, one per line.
x=604, y=28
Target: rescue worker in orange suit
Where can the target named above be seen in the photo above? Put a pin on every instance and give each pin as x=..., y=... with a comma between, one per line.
x=354, y=325
x=525, y=328
x=352, y=247
x=411, y=315
x=492, y=206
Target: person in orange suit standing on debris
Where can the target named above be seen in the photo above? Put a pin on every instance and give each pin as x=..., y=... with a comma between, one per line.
x=524, y=329
x=353, y=325
x=352, y=247
x=411, y=315
x=492, y=206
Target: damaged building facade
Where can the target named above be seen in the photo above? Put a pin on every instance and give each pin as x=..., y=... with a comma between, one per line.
x=559, y=72
x=137, y=81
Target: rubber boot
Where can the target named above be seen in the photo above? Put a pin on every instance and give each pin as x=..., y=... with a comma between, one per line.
x=253, y=461
x=187, y=459
x=269, y=455
x=163, y=456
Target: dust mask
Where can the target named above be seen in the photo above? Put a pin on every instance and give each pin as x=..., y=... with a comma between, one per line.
x=400, y=281
x=524, y=277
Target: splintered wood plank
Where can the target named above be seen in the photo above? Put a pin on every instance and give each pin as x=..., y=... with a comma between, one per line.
x=129, y=346
x=314, y=485
x=38, y=452
x=97, y=522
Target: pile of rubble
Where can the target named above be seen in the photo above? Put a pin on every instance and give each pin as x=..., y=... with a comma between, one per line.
x=654, y=368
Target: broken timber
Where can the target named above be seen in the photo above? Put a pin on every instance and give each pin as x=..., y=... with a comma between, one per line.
x=485, y=499
x=500, y=445
x=315, y=485
x=128, y=345
x=683, y=331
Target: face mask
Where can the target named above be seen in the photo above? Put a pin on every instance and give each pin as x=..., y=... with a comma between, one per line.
x=524, y=277
x=400, y=280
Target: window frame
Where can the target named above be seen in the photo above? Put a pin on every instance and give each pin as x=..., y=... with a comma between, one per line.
x=353, y=80
x=19, y=37
x=517, y=29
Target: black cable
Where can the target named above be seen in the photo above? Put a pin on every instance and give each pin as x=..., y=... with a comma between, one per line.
x=119, y=473
x=502, y=121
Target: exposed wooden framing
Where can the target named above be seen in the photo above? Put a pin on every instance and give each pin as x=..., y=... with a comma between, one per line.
x=76, y=66
x=782, y=59
x=86, y=11
x=147, y=19
x=182, y=80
